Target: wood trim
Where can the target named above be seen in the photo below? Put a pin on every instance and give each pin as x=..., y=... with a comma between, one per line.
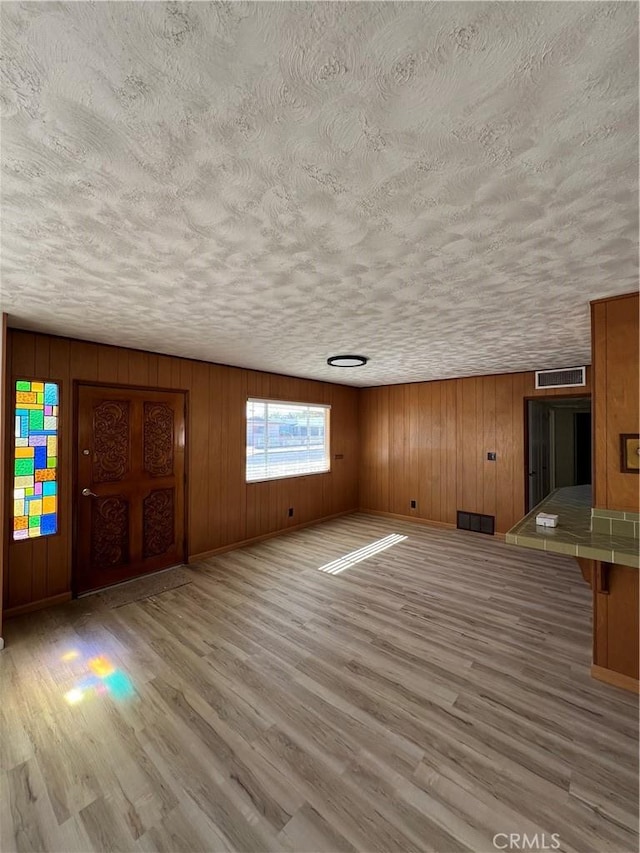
x=586, y=567
x=561, y=393
x=194, y=558
x=525, y=453
x=411, y=518
x=594, y=407
x=613, y=298
x=427, y=522
x=602, y=578
x=187, y=476
x=123, y=386
x=599, y=407
x=38, y=605
x=616, y=679
x=600, y=629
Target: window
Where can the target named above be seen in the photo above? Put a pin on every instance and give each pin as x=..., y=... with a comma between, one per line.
x=286, y=439
x=35, y=487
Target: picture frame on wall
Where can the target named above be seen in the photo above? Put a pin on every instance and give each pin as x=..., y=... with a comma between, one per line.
x=630, y=453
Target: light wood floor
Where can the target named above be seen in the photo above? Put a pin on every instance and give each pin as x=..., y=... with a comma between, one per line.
x=426, y=698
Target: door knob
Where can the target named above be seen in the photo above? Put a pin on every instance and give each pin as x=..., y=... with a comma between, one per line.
x=87, y=493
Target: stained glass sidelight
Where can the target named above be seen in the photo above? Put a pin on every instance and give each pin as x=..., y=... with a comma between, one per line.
x=35, y=495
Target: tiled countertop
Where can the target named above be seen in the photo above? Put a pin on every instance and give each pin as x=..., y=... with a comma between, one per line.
x=573, y=535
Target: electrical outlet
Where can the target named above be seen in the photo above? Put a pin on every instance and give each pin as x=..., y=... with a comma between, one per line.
x=413, y=504
x=290, y=512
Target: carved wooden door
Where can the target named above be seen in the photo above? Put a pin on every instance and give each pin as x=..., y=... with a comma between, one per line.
x=130, y=484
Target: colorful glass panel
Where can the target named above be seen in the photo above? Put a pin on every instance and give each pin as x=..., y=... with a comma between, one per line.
x=35, y=495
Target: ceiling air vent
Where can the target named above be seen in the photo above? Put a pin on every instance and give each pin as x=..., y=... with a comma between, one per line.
x=570, y=377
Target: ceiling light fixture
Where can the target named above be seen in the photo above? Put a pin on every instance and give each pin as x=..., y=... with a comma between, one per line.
x=347, y=360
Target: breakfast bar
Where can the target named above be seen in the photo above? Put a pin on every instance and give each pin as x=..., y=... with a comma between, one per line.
x=592, y=534
x=605, y=544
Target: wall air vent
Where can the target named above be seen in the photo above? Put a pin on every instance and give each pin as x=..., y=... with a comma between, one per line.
x=476, y=522
x=569, y=377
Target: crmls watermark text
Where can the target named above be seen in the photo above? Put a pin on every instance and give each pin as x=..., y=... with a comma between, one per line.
x=523, y=841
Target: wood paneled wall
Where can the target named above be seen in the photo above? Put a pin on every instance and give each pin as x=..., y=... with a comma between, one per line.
x=615, y=621
x=223, y=508
x=428, y=442
x=615, y=335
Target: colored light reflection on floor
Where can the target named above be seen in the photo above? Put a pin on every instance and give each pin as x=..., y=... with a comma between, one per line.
x=118, y=685
x=103, y=679
x=70, y=655
x=74, y=696
x=101, y=666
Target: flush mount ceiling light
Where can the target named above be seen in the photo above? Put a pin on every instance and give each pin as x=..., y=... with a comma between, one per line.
x=347, y=360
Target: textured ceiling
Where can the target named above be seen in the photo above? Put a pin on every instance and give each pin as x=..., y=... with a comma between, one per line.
x=442, y=187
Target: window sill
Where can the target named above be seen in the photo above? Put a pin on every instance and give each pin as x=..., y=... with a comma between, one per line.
x=288, y=476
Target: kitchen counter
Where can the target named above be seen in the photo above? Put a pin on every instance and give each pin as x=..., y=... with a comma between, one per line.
x=573, y=535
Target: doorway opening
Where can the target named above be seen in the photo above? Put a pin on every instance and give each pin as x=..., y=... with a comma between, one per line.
x=558, y=445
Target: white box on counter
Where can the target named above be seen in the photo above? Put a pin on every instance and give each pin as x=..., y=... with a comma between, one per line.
x=546, y=519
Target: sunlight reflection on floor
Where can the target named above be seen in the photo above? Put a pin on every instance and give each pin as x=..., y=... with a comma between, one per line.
x=337, y=566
